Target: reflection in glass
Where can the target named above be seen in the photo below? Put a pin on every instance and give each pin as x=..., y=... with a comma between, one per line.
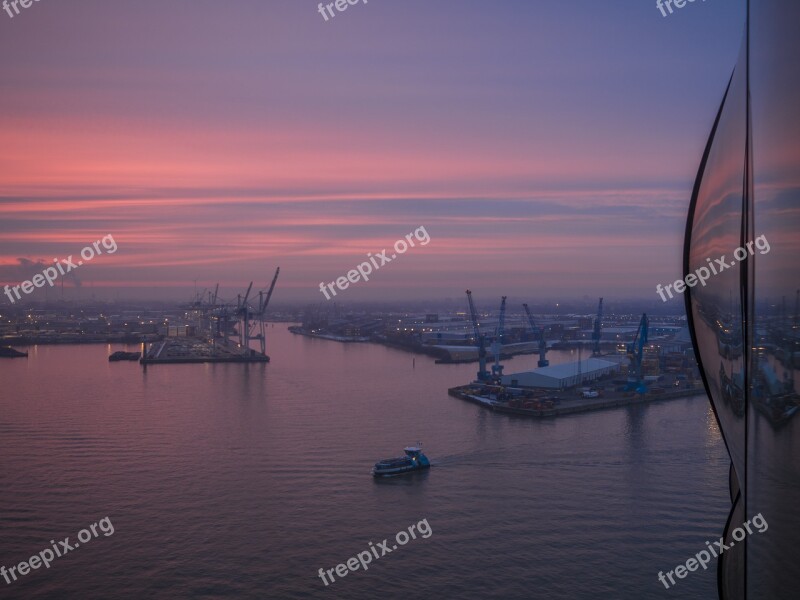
x=745, y=319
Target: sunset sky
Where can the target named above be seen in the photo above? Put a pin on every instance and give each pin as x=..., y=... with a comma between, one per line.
x=548, y=148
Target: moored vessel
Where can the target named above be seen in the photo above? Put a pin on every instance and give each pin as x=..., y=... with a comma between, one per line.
x=9, y=352
x=122, y=355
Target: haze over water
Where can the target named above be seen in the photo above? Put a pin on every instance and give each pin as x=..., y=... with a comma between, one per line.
x=242, y=481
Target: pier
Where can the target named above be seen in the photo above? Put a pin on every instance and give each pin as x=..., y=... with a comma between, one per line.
x=197, y=350
x=567, y=403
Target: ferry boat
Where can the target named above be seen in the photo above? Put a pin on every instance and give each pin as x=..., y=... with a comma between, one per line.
x=414, y=460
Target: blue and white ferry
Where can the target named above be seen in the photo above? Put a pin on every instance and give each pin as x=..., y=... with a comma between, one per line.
x=414, y=460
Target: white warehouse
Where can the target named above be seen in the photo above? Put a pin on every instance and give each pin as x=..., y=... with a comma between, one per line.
x=566, y=375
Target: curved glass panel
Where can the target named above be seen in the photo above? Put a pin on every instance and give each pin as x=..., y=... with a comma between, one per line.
x=742, y=241
x=717, y=303
x=773, y=432
x=715, y=232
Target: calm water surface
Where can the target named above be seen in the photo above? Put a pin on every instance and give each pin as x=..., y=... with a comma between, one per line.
x=242, y=481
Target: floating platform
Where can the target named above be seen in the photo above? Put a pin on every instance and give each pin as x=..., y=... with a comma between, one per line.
x=187, y=350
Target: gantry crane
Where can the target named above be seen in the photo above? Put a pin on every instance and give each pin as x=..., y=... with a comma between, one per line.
x=543, y=362
x=483, y=374
x=596, y=333
x=635, y=352
x=497, y=346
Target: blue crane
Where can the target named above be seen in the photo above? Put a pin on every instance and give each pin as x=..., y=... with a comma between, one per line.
x=543, y=362
x=483, y=374
x=596, y=333
x=635, y=351
x=497, y=346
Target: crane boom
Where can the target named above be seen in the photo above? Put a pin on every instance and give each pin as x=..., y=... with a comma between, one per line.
x=497, y=346
x=483, y=374
x=501, y=326
x=247, y=293
x=543, y=362
x=597, y=326
x=635, y=353
x=269, y=293
x=474, y=316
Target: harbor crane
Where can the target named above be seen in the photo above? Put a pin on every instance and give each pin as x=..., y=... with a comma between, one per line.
x=483, y=374
x=253, y=317
x=543, y=362
x=212, y=304
x=263, y=303
x=635, y=351
x=243, y=313
x=596, y=333
x=497, y=346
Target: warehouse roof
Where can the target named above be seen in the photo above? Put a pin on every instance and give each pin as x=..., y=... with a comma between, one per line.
x=570, y=369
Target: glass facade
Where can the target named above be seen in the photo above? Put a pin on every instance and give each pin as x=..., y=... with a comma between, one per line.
x=742, y=232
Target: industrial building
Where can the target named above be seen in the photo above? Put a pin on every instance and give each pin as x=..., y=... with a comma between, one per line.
x=565, y=375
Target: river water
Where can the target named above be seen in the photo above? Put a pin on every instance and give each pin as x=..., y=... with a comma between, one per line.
x=242, y=481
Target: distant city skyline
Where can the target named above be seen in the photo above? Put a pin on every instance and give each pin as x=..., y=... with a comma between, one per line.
x=544, y=158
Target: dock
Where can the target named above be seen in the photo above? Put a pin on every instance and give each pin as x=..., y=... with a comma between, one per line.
x=567, y=403
x=188, y=350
